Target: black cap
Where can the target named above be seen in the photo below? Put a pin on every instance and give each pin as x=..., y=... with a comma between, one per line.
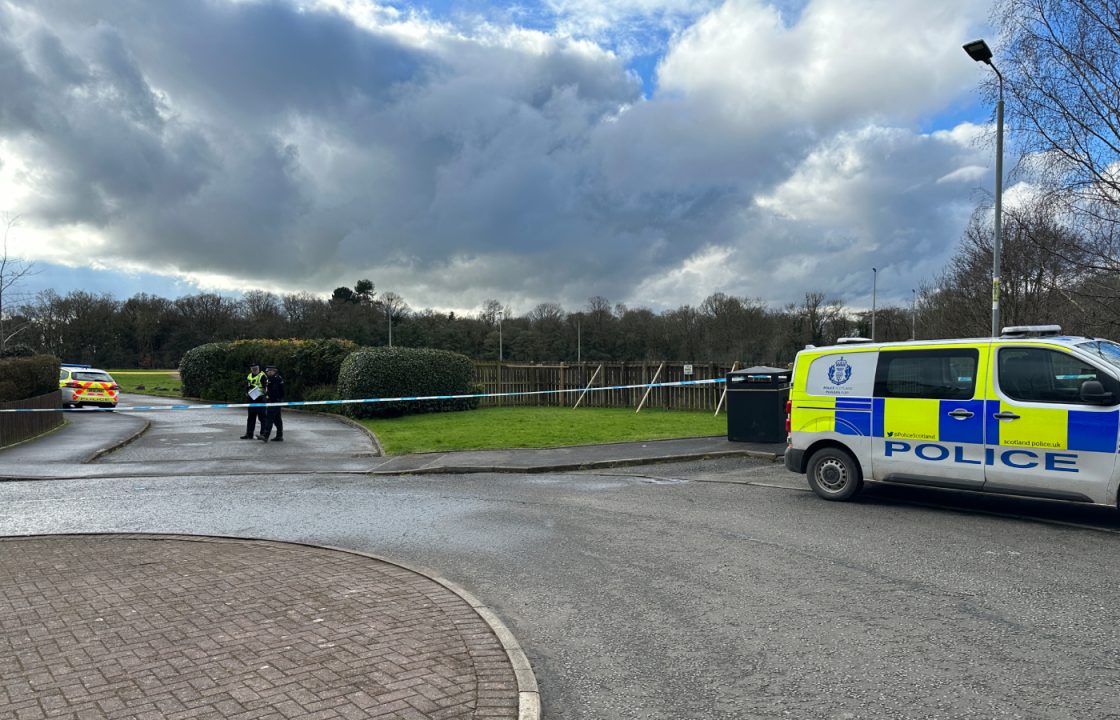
x=270, y=367
x=254, y=364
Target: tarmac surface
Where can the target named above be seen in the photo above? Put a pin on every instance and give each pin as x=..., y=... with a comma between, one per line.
x=204, y=442
x=132, y=626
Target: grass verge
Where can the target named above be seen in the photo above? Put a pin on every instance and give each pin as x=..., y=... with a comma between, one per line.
x=501, y=428
x=164, y=383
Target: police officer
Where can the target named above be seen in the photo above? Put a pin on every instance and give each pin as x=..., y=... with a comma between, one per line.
x=274, y=389
x=255, y=381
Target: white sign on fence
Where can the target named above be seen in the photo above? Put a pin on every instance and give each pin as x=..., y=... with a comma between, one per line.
x=687, y=369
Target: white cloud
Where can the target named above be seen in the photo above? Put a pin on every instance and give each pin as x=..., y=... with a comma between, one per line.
x=276, y=145
x=843, y=60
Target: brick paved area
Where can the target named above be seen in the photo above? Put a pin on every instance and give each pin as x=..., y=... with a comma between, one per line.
x=153, y=628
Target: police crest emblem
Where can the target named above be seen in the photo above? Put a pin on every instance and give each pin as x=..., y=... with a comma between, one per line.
x=840, y=372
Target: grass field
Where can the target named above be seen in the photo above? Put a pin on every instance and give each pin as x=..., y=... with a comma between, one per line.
x=495, y=428
x=149, y=382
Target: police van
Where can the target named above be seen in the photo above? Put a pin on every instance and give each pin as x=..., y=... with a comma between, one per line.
x=1031, y=413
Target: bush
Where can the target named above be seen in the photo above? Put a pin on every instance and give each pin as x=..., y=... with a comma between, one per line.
x=217, y=371
x=200, y=367
x=406, y=372
x=17, y=350
x=323, y=392
x=27, y=377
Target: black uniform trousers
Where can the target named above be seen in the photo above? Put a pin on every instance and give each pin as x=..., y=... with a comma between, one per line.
x=272, y=419
x=255, y=414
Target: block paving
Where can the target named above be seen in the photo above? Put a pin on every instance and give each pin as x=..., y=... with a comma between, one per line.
x=153, y=628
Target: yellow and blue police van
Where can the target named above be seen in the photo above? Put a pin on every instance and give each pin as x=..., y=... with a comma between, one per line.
x=1031, y=413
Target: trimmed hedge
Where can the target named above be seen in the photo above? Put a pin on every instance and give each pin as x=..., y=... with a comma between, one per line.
x=27, y=377
x=406, y=372
x=217, y=371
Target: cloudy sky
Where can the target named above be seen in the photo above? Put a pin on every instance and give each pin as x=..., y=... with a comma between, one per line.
x=649, y=151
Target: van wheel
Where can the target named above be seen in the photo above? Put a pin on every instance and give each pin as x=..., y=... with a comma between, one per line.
x=834, y=474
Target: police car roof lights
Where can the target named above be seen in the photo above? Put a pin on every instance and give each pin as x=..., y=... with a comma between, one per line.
x=853, y=340
x=1018, y=331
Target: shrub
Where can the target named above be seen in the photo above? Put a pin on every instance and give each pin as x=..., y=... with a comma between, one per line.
x=17, y=350
x=406, y=372
x=27, y=377
x=323, y=392
x=200, y=367
x=217, y=371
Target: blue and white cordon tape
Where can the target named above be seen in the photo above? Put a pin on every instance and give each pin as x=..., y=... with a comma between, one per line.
x=363, y=401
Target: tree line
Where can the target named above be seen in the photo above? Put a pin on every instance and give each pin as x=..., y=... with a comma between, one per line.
x=151, y=331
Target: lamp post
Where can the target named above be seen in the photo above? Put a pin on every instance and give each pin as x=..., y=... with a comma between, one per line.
x=913, y=314
x=979, y=51
x=874, y=291
x=499, y=337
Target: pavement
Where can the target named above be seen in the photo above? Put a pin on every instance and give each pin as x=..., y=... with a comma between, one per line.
x=578, y=457
x=152, y=627
x=173, y=627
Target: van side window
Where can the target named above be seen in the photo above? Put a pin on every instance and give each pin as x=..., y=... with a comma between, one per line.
x=1047, y=376
x=942, y=374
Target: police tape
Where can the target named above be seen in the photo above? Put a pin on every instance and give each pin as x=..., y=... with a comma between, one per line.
x=363, y=401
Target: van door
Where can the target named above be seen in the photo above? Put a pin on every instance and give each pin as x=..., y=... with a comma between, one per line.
x=1043, y=439
x=928, y=417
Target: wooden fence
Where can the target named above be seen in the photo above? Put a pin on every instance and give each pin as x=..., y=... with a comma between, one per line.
x=17, y=427
x=509, y=378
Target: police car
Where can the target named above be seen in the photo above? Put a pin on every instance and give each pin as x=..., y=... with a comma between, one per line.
x=1031, y=413
x=85, y=385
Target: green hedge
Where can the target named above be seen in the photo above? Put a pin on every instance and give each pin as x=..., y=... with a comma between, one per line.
x=27, y=377
x=406, y=372
x=217, y=371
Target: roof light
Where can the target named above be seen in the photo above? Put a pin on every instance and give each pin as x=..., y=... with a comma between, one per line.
x=1015, y=331
x=853, y=340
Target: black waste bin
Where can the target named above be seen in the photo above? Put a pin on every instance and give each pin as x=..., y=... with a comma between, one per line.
x=756, y=404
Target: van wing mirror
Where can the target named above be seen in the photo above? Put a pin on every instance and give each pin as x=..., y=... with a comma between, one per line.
x=1092, y=391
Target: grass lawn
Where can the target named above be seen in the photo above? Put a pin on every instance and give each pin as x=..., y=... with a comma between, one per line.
x=496, y=428
x=149, y=382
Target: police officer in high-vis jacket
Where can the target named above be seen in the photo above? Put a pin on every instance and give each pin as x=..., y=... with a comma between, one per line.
x=256, y=381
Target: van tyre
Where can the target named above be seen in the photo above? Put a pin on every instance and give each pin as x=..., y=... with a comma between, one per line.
x=834, y=474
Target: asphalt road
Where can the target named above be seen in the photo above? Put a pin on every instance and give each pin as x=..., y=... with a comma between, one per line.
x=680, y=592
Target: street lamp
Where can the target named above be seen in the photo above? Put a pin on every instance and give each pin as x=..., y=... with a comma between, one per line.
x=979, y=51
x=500, y=337
x=913, y=314
x=874, y=290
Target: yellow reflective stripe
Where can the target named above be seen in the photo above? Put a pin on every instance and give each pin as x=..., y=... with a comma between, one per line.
x=1046, y=428
x=813, y=414
x=911, y=419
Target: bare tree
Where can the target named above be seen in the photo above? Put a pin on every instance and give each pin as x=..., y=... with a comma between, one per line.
x=1061, y=63
x=12, y=271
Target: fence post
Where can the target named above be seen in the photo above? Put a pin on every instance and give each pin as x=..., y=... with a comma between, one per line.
x=650, y=389
x=723, y=396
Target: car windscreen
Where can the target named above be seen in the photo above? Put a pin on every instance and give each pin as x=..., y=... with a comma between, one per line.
x=1105, y=349
x=92, y=377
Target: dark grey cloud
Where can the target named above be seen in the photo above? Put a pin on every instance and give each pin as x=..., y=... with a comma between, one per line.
x=292, y=147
